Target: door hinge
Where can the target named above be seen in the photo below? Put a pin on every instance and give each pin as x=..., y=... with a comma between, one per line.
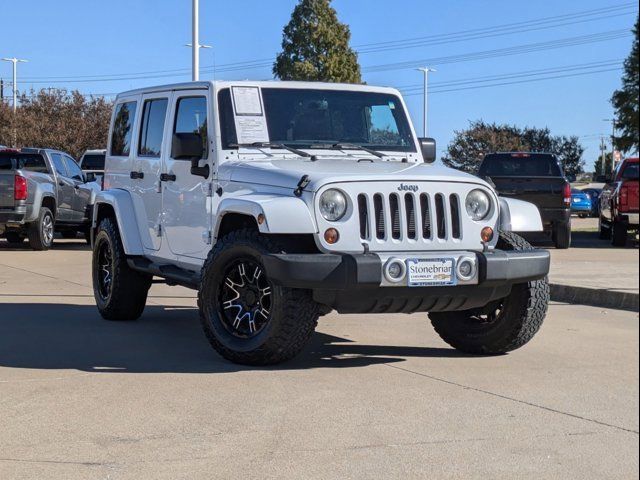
x=159, y=230
x=207, y=237
x=210, y=189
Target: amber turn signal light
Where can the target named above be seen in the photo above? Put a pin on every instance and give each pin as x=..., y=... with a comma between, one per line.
x=331, y=236
x=486, y=234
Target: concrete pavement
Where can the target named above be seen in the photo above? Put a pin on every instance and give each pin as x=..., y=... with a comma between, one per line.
x=372, y=396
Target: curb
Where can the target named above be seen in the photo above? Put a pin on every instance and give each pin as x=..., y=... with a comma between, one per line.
x=595, y=297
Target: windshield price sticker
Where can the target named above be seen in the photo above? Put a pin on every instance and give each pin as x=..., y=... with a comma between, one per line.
x=431, y=272
x=251, y=123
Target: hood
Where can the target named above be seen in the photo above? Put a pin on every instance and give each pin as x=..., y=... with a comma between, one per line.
x=287, y=173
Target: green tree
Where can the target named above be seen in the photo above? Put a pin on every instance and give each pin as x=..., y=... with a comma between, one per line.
x=625, y=101
x=468, y=148
x=315, y=46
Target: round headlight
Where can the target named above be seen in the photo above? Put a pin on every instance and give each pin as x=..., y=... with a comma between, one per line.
x=478, y=205
x=333, y=205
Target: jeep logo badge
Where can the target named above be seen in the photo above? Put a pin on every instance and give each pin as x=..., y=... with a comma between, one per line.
x=406, y=188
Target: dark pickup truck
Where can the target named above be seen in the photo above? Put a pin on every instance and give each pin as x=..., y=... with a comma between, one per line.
x=535, y=178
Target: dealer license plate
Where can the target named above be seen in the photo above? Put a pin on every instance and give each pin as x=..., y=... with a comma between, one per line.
x=431, y=272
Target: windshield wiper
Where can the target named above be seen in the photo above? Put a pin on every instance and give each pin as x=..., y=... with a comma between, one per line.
x=270, y=145
x=353, y=146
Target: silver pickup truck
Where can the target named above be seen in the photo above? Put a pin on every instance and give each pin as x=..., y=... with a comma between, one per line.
x=42, y=191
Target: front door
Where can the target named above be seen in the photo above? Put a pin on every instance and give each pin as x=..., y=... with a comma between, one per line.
x=184, y=197
x=147, y=163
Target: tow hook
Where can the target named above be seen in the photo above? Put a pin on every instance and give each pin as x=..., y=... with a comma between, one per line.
x=302, y=184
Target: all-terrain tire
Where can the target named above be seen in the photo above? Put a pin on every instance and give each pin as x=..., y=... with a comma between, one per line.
x=619, y=234
x=14, y=238
x=520, y=316
x=604, y=231
x=126, y=294
x=562, y=235
x=40, y=232
x=293, y=313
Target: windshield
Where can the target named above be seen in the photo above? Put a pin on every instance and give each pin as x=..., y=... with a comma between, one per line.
x=306, y=118
x=520, y=165
x=93, y=162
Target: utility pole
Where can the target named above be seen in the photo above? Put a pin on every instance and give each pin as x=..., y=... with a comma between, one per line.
x=195, y=41
x=603, y=149
x=205, y=46
x=15, y=62
x=613, y=139
x=426, y=71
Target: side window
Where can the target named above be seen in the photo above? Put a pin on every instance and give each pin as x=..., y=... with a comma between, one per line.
x=72, y=167
x=227, y=122
x=122, y=129
x=191, y=117
x=58, y=164
x=152, y=128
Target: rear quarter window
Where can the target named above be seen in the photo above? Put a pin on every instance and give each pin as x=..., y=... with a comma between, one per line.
x=122, y=129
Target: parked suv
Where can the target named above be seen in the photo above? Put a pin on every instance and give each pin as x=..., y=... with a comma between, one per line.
x=42, y=191
x=619, y=210
x=535, y=178
x=282, y=201
x=92, y=164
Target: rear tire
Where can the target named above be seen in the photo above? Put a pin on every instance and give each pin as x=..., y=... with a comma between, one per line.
x=120, y=292
x=562, y=235
x=619, y=234
x=243, y=322
x=501, y=326
x=40, y=232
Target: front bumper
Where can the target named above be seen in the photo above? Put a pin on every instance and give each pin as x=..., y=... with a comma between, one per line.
x=355, y=283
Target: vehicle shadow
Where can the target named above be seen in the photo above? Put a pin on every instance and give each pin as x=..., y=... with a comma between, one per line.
x=165, y=339
x=579, y=240
x=64, y=245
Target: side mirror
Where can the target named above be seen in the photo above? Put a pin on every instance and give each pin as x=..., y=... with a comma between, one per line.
x=186, y=146
x=428, y=148
x=189, y=146
x=89, y=177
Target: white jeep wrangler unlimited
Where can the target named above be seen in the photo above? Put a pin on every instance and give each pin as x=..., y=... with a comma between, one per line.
x=282, y=201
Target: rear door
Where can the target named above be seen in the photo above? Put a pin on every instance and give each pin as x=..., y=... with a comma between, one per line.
x=66, y=189
x=148, y=163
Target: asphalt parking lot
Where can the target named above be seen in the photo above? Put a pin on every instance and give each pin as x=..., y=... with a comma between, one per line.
x=372, y=396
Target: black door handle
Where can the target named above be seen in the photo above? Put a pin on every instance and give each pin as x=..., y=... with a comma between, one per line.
x=167, y=177
x=136, y=175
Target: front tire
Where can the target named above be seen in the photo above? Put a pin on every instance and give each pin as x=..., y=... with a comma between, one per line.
x=40, y=233
x=120, y=292
x=501, y=326
x=247, y=319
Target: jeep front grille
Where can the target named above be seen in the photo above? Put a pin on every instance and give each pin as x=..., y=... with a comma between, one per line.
x=396, y=217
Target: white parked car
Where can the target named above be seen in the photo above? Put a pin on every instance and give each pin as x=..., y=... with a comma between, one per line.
x=282, y=201
x=92, y=164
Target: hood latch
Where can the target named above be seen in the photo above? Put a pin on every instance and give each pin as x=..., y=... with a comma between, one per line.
x=302, y=184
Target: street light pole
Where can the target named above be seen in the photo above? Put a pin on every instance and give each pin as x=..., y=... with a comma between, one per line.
x=426, y=71
x=205, y=46
x=195, y=42
x=613, y=138
x=15, y=62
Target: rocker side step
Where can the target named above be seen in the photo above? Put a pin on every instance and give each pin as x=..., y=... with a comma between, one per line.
x=172, y=274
